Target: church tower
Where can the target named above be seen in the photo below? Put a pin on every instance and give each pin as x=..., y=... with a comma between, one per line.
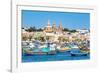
x=54, y=29
x=48, y=28
x=60, y=28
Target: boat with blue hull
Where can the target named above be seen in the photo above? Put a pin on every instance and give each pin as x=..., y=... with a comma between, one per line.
x=77, y=52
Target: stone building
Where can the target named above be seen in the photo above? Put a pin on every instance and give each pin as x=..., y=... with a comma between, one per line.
x=53, y=28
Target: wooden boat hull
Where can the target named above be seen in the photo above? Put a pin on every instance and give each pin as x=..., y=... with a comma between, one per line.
x=36, y=53
x=78, y=54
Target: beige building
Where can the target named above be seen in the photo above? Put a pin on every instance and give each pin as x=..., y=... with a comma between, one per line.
x=53, y=28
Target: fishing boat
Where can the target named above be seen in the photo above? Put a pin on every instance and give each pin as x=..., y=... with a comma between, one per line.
x=77, y=52
x=52, y=49
x=63, y=48
x=35, y=49
x=35, y=52
x=85, y=50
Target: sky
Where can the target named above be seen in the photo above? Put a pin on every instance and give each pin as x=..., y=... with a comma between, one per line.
x=70, y=20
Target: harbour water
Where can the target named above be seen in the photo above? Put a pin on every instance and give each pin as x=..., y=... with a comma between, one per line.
x=60, y=56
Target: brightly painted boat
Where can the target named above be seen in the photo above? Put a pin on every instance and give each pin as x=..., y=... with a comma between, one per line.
x=64, y=49
x=41, y=50
x=34, y=52
x=77, y=52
